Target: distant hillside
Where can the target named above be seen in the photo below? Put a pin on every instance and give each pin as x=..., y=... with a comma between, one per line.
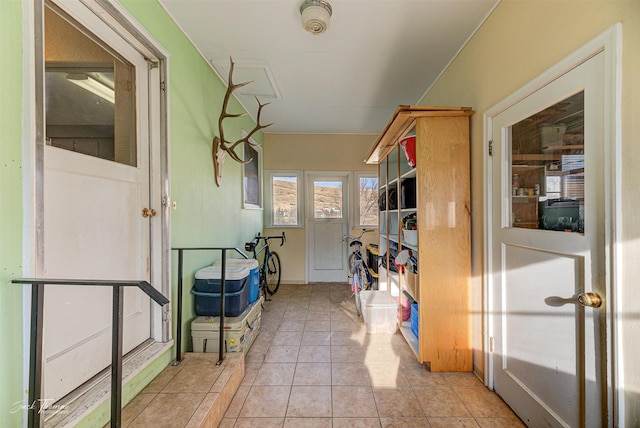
x=328, y=202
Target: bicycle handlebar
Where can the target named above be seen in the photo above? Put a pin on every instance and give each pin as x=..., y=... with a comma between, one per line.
x=348, y=237
x=249, y=246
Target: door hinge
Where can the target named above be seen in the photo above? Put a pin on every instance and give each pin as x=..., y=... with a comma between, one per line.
x=166, y=201
x=163, y=86
x=490, y=147
x=491, y=344
x=166, y=316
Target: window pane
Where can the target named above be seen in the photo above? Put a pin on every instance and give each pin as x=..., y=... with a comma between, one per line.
x=251, y=176
x=327, y=199
x=285, y=201
x=368, y=190
x=547, y=170
x=89, y=94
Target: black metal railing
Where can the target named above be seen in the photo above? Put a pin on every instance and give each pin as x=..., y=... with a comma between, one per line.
x=181, y=251
x=36, y=336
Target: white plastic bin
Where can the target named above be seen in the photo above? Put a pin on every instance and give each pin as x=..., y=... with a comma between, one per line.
x=380, y=311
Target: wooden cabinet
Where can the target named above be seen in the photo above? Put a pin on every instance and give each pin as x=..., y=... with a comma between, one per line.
x=441, y=204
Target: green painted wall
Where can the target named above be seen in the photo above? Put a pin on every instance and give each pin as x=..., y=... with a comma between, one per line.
x=206, y=215
x=10, y=211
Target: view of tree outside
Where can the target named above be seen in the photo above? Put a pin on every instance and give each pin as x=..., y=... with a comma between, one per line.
x=327, y=200
x=368, y=201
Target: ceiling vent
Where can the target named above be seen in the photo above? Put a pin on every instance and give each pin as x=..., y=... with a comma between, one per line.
x=263, y=83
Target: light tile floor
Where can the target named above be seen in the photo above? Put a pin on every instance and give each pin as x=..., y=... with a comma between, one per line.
x=314, y=365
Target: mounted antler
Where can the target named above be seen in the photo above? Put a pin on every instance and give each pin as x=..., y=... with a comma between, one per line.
x=222, y=147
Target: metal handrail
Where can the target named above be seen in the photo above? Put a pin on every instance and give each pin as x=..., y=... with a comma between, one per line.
x=181, y=251
x=36, y=336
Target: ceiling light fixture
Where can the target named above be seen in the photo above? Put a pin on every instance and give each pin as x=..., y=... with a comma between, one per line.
x=92, y=85
x=315, y=15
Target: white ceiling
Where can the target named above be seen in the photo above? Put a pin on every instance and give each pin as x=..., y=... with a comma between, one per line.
x=376, y=55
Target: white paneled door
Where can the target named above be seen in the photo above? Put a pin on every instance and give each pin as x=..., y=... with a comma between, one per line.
x=95, y=186
x=327, y=223
x=548, y=252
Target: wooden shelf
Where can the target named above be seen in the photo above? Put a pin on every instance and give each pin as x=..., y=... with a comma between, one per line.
x=412, y=340
x=537, y=157
x=442, y=175
x=401, y=123
x=563, y=148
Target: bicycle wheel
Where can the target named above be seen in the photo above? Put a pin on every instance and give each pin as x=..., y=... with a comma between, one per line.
x=356, y=293
x=363, y=275
x=273, y=273
x=352, y=263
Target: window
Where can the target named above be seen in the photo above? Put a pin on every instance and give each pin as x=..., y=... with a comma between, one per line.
x=367, y=203
x=547, y=168
x=327, y=199
x=252, y=176
x=90, y=93
x=285, y=198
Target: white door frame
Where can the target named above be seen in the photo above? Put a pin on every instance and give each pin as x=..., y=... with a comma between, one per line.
x=609, y=42
x=122, y=22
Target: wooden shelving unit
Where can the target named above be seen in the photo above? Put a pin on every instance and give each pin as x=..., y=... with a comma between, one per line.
x=442, y=206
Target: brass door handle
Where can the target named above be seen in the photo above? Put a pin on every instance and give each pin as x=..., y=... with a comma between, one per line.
x=590, y=300
x=148, y=212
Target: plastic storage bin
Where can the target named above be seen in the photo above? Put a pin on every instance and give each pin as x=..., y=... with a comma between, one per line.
x=410, y=236
x=254, y=274
x=207, y=289
x=239, y=332
x=414, y=318
x=408, y=144
x=380, y=311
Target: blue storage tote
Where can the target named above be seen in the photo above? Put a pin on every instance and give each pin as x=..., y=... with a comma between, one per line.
x=254, y=275
x=207, y=289
x=414, y=318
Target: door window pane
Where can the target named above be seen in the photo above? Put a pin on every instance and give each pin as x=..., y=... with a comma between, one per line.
x=547, y=168
x=89, y=93
x=285, y=200
x=327, y=199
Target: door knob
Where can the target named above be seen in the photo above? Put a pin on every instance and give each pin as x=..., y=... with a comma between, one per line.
x=148, y=212
x=591, y=300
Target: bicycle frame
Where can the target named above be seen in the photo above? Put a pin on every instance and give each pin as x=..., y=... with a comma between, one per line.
x=358, y=266
x=354, y=241
x=252, y=246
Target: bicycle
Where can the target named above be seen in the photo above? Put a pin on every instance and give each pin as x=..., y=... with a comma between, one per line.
x=358, y=270
x=270, y=268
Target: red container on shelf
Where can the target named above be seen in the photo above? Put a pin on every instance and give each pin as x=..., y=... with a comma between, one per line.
x=408, y=144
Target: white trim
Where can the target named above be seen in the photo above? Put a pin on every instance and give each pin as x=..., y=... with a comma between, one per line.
x=613, y=130
x=260, y=176
x=29, y=181
x=268, y=195
x=608, y=42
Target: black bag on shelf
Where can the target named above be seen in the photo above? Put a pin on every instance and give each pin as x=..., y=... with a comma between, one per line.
x=408, y=193
x=382, y=201
x=393, y=198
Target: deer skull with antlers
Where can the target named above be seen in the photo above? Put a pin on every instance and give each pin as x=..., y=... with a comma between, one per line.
x=222, y=147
